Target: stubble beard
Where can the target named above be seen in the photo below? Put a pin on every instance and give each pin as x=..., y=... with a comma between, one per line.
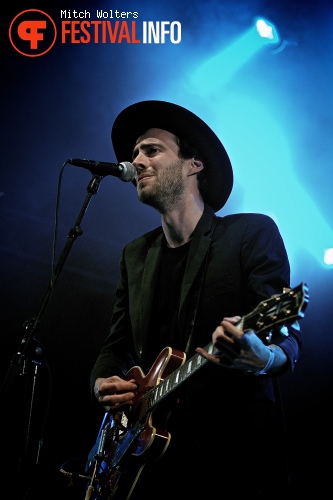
x=166, y=193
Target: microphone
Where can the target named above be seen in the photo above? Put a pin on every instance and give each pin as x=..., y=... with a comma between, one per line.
x=125, y=170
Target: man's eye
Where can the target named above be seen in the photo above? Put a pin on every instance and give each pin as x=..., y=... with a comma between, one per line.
x=153, y=150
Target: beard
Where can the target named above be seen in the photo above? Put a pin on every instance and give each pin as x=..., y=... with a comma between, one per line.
x=167, y=190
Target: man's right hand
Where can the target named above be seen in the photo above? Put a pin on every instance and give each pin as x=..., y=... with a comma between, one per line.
x=113, y=392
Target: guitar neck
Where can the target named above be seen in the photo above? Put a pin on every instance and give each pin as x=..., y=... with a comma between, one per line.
x=269, y=314
x=187, y=369
x=177, y=377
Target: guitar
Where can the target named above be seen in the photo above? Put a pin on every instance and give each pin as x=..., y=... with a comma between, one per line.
x=128, y=438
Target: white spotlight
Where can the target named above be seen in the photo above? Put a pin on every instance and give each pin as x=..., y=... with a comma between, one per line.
x=328, y=256
x=267, y=31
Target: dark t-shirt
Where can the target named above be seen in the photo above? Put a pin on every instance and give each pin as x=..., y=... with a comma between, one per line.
x=166, y=300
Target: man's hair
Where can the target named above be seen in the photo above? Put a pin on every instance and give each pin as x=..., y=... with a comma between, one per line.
x=186, y=151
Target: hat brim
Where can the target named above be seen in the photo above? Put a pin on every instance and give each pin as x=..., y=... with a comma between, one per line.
x=134, y=120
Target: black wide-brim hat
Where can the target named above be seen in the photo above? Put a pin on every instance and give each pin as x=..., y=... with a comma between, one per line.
x=134, y=120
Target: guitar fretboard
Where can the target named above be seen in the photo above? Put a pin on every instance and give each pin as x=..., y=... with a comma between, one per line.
x=177, y=377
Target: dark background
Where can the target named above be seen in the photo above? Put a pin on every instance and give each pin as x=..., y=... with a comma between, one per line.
x=62, y=105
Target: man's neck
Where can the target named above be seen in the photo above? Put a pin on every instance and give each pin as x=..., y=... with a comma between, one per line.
x=178, y=225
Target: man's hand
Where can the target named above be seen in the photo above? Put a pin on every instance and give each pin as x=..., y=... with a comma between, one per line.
x=113, y=392
x=240, y=350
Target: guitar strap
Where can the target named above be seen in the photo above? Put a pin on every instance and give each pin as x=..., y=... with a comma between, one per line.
x=198, y=287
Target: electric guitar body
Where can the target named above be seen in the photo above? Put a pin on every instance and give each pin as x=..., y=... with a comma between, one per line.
x=129, y=435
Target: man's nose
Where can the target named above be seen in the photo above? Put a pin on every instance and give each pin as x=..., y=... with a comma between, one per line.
x=140, y=161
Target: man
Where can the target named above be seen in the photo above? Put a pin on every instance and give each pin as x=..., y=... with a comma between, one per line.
x=183, y=285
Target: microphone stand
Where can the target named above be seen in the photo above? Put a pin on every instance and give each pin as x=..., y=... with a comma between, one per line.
x=30, y=352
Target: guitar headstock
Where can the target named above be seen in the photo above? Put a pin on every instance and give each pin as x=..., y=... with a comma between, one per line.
x=278, y=310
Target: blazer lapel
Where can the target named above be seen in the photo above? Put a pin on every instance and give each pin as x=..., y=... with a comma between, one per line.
x=198, y=251
x=148, y=283
x=199, y=248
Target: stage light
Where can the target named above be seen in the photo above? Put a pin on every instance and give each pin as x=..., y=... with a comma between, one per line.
x=328, y=256
x=267, y=31
x=225, y=63
x=269, y=34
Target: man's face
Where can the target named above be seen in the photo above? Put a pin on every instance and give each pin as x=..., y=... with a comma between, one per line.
x=161, y=173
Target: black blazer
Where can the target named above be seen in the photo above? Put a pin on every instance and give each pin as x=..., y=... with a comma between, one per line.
x=246, y=263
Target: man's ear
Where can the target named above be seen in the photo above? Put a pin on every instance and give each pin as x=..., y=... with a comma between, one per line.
x=195, y=166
